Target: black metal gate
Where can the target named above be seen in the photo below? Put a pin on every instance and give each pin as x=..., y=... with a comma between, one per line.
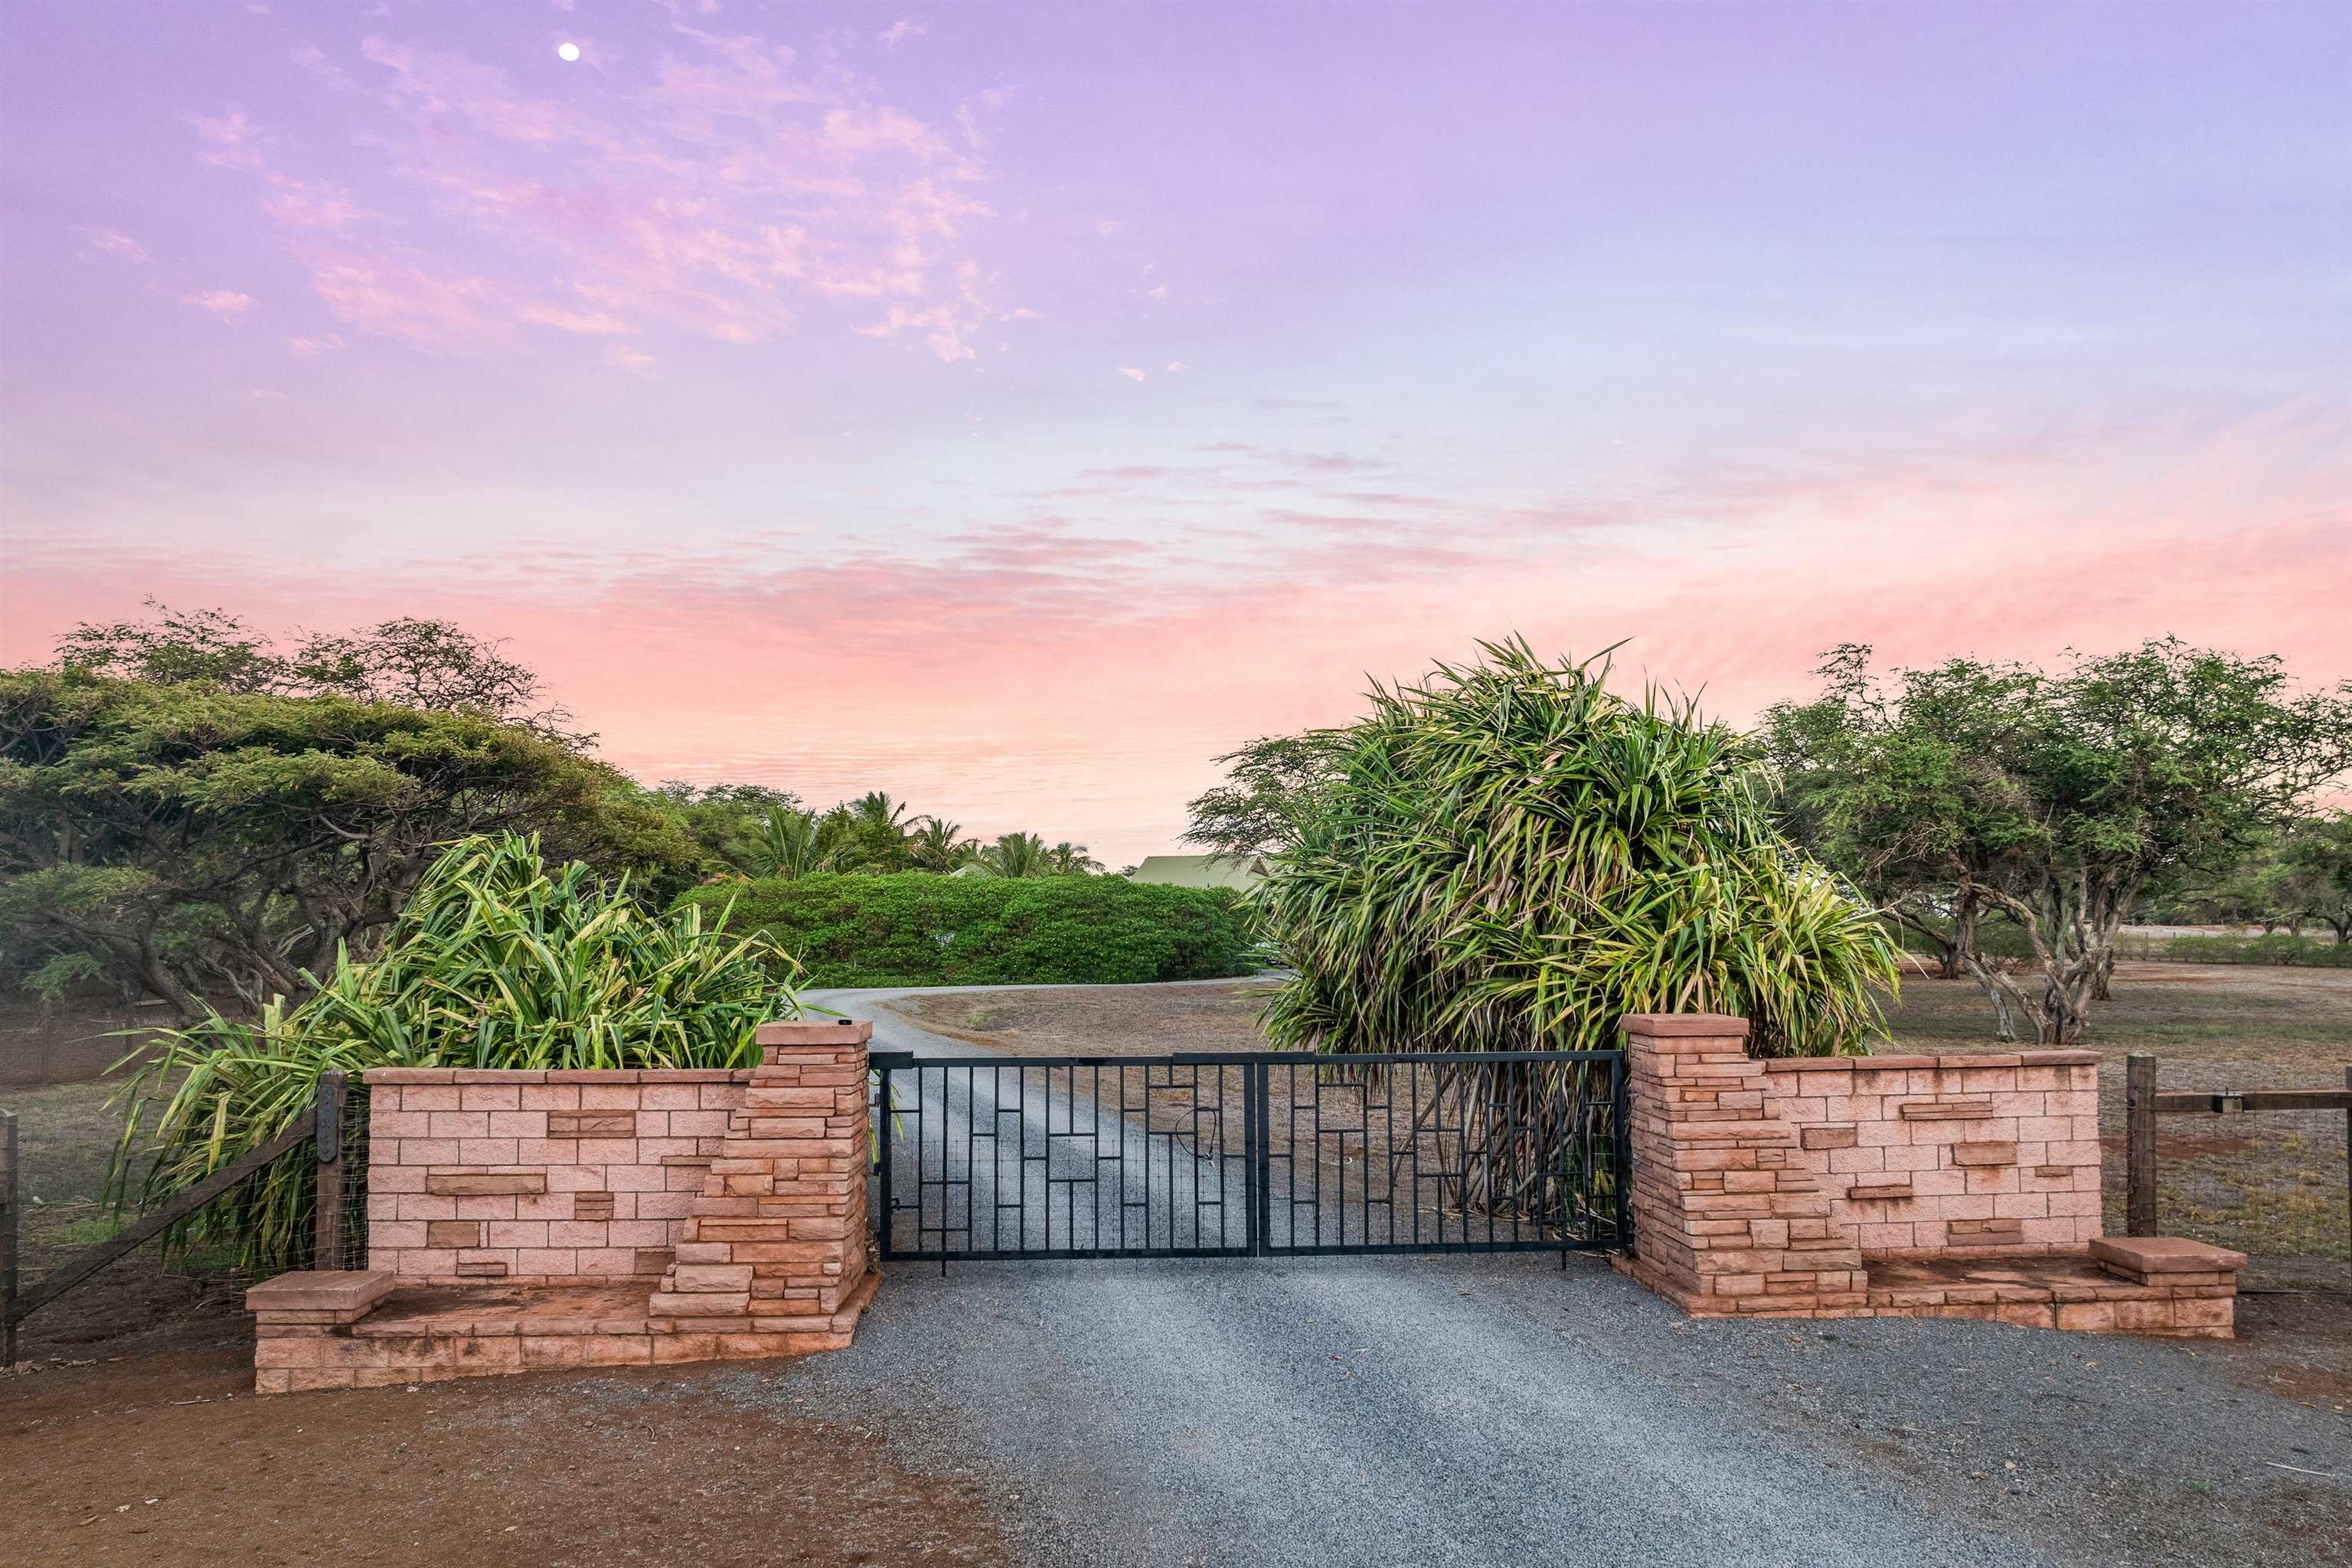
x=1252, y=1154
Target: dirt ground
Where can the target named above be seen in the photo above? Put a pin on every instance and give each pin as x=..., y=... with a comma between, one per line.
x=171, y=1460
x=138, y=1387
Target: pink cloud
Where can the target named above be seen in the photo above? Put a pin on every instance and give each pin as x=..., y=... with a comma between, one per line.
x=225, y=304
x=949, y=675
x=586, y=323
x=397, y=300
x=114, y=242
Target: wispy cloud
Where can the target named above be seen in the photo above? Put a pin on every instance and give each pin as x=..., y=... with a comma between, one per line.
x=899, y=31
x=738, y=198
x=114, y=242
x=225, y=304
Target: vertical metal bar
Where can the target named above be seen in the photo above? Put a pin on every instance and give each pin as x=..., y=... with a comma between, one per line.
x=1095, y=1110
x=1388, y=1143
x=327, y=1203
x=883, y=1162
x=2139, y=1145
x=2347, y=1157
x=9, y=1199
x=1498, y=1074
x=1622, y=1151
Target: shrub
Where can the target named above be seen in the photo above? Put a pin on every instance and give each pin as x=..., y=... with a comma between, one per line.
x=493, y=962
x=1509, y=856
x=913, y=929
x=2279, y=948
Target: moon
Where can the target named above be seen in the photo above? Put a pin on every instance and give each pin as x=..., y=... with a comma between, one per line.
x=567, y=52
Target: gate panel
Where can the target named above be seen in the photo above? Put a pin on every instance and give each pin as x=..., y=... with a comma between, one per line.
x=1063, y=1157
x=1259, y=1153
x=1477, y=1152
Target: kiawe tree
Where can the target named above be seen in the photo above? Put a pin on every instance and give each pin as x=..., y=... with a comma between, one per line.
x=1273, y=788
x=2317, y=857
x=193, y=812
x=197, y=841
x=2059, y=799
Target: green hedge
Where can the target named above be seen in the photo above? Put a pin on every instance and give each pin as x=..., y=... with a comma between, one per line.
x=916, y=929
x=2277, y=947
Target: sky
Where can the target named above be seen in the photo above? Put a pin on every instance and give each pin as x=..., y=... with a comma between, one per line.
x=1013, y=407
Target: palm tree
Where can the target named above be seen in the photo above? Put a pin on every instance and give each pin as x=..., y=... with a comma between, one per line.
x=935, y=847
x=1068, y=859
x=1018, y=855
x=795, y=843
x=875, y=829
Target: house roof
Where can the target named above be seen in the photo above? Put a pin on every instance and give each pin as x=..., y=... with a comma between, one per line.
x=1238, y=871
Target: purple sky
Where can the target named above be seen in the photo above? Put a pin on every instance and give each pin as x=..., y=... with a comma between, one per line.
x=1012, y=407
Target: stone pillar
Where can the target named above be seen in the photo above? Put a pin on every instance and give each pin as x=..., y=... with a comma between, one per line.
x=774, y=1257
x=302, y=1327
x=1724, y=1224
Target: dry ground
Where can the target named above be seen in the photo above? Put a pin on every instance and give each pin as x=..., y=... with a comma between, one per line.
x=171, y=1460
x=140, y=1383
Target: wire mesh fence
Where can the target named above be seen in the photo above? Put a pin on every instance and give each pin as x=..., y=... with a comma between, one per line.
x=342, y=1243
x=2275, y=1184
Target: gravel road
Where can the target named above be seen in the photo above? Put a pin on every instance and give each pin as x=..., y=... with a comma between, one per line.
x=1483, y=1410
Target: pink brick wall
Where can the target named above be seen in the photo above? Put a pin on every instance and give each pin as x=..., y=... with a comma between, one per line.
x=1940, y=1154
x=477, y=1176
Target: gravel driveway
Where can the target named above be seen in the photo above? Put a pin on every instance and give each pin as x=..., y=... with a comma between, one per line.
x=1498, y=1409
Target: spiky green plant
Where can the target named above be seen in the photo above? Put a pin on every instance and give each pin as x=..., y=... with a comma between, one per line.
x=1512, y=858
x=494, y=963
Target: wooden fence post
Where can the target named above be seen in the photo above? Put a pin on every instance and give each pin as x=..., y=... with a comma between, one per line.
x=9, y=1201
x=2139, y=1145
x=326, y=1228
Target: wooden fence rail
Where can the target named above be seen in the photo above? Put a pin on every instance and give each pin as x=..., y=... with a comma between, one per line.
x=324, y=1127
x=2143, y=1103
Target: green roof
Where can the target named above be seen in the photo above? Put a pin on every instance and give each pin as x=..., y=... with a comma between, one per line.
x=1241, y=872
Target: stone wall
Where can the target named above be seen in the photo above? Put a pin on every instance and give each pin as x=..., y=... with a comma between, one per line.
x=1890, y=1187
x=1921, y=1155
x=476, y=1177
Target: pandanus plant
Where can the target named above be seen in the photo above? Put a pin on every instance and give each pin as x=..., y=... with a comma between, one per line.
x=495, y=961
x=1510, y=857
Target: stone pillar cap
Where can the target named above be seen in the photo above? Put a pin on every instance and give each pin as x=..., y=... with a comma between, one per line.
x=2165, y=1255
x=320, y=1291
x=824, y=1032
x=1669, y=1024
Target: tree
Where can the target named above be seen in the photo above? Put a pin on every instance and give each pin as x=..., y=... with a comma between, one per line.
x=731, y=822
x=1509, y=857
x=1017, y=854
x=1914, y=856
x=196, y=840
x=796, y=843
x=415, y=662
x=2059, y=799
x=2317, y=858
x=1273, y=789
x=2256, y=889
x=1068, y=859
x=872, y=833
x=938, y=845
